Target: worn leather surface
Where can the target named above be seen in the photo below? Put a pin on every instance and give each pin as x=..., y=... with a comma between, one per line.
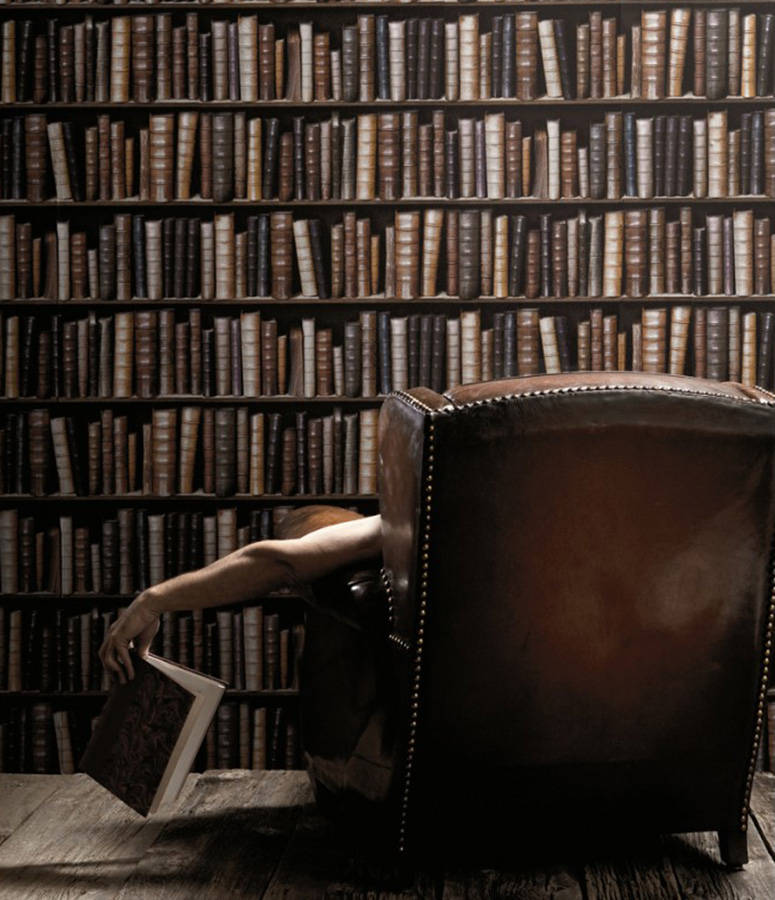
x=597, y=594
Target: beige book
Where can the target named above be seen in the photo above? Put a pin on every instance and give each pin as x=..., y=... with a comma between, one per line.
x=56, y=142
x=257, y=458
x=222, y=345
x=653, y=28
x=187, y=126
x=336, y=74
x=553, y=158
x=220, y=59
x=613, y=253
x=399, y=355
x=63, y=741
x=494, y=129
x=366, y=159
x=644, y=130
x=653, y=339
x=485, y=65
x=225, y=282
x=636, y=57
x=549, y=58
x=748, y=355
x=583, y=357
x=8, y=86
x=397, y=59
x=488, y=354
x=680, y=317
x=748, y=70
x=679, y=39
x=470, y=346
x=431, y=249
x=9, y=551
x=714, y=225
x=120, y=42
x=123, y=353
x=549, y=345
x=279, y=67
x=500, y=272
x=367, y=451
x=309, y=345
x=250, y=338
x=453, y=353
x=190, y=417
x=307, y=62
x=226, y=519
x=301, y=238
x=451, y=58
x=468, y=30
x=718, y=147
x=255, y=157
x=734, y=39
x=63, y=260
x=161, y=137
x=207, y=256
x=62, y=455
x=253, y=637
x=407, y=240
x=466, y=156
x=247, y=30
x=735, y=349
x=163, y=450
x=7, y=257
x=742, y=223
x=153, y=259
x=700, y=168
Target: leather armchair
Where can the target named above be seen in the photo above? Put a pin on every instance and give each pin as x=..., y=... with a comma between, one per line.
x=573, y=613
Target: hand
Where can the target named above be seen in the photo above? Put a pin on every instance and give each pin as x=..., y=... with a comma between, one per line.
x=138, y=624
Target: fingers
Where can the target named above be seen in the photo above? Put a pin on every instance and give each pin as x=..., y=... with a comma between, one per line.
x=125, y=659
x=115, y=657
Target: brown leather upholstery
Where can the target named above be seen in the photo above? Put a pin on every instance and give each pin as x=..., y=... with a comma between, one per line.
x=574, y=613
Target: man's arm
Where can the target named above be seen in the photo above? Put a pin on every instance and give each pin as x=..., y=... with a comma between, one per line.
x=251, y=571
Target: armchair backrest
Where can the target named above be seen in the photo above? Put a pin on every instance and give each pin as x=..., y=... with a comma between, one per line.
x=580, y=580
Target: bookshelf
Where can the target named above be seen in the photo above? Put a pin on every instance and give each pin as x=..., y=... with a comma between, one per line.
x=235, y=227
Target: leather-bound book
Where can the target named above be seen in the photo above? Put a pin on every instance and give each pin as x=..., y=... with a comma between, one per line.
x=40, y=85
x=680, y=317
x=653, y=52
x=764, y=355
x=699, y=259
x=699, y=46
x=679, y=39
x=734, y=354
x=597, y=160
x=761, y=257
x=550, y=58
x=527, y=343
x=717, y=337
x=728, y=244
x=743, y=228
x=630, y=159
x=748, y=350
x=684, y=157
x=714, y=225
x=766, y=29
x=748, y=56
x=654, y=339
x=716, y=53
x=318, y=260
x=758, y=150
x=734, y=36
x=563, y=58
x=671, y=156
x=614, y=122
x=223, y=157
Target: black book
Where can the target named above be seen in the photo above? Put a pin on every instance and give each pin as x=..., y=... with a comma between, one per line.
x=31, y=650
x=745, y=152
x=496, y=57
x=423, y=58
x=29, y=361
x=298, y=157
x=450, y=168
x=196, y=539
x=545, y=228
x=630, y=164
x=671, y=156
x=764, y=54
x=583, y=256
x=383, y=58
x=252, y=255
x=338, y=449
x=425, y=374
x=180, y=259
x=53, y=61
x=93, y=327
x=193, y=251
x=728, y=237
x=764, y=356
x=563, y=59
x=138, y=254
x=509, y=344
x=17, y=162
x=262, y=261
x=684, y=164
x=438, y=354
x=6, y=152
x=497, y=344
x=56, y=354
x=698, y=257
x=757, y=152
x=301, y=452
x=517, y=257
x=73, y=435
x=383, y=353
x=659, y=155
x=273, y=455
x=271, y=145
x=563, y=343
x=208, y=361
x=413, y=341
x=141, y=558
x=508, y=55
x=73, y=163
x=205, y=45
x=318, y=260
x=168, y=255
x=24, y=55
x=411, y=58
x=436, y=64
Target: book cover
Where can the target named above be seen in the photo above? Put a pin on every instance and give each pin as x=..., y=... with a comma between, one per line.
x=150, y=730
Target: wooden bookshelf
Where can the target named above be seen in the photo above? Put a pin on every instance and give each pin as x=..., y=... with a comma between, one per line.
x=521, y=321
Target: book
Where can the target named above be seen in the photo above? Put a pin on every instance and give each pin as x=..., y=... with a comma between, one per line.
x=150, y=731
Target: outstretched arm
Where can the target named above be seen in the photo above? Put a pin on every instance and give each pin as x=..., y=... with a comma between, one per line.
x=251, y=571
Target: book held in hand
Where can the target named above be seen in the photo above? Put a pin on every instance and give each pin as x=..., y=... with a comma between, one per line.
x=149, y=731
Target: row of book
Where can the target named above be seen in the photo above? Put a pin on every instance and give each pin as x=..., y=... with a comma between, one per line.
x=53, y=650
x=149, y=356
x=51, y=737
x=463, y=253
x=713, y=52
x=122, y=551
x=225, y=155
x=223, y=451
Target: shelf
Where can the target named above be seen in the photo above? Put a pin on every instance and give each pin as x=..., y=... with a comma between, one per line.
x=238, y=499
x=405, y=305
x=53, y=597
x=169, y=399
x=67, y=696
x=293, y=6
x=453, y=203
x=434, y=103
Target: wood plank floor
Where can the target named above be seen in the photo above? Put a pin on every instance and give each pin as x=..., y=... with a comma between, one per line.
x=242, y=833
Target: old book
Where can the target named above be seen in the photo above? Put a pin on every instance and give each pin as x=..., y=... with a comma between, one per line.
x=150, y=730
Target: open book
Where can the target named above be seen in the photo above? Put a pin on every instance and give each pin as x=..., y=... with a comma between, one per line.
x=150, y=730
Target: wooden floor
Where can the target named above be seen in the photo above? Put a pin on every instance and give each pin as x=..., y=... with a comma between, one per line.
x=241, y=833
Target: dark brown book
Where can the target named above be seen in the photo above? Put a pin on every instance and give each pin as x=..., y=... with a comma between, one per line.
x=150, y=729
